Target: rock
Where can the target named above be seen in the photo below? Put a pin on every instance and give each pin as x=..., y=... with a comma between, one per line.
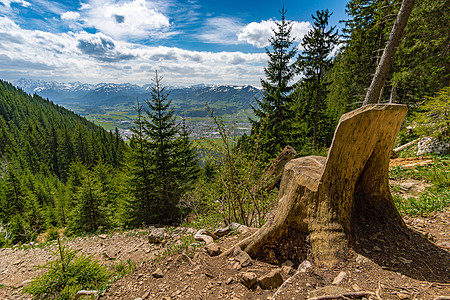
x=406, y=186
x=288, y=263
x=327, y=290
x=377, y=249
x=157, y=235
x=229, y=281
x=271, y=280
x=243, y=258
x=158, y=273
x=213, y=249
x=287, y=270
x=339, y=278
x=305, y=265
x=234, y=225
x=249, y=279
x=17, y=262
x=362, y=259
x=403, y=296
x=102, y=236
x=404, y=260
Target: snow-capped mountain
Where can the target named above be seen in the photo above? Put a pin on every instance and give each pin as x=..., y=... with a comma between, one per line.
x=107, y=94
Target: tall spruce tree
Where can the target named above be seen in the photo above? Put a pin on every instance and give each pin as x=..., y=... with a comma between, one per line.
x=140, y=170
x=314, y=62
x=161, y=129
x=273, y=110
x=163, y=162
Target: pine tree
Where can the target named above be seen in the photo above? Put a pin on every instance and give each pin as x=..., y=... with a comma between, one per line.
x=161, y=130
x=139, y=167
x=273, y=110
x=314, y=62
x=187, y=162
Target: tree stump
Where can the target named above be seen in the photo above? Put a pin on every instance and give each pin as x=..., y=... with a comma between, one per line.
x=322, y=200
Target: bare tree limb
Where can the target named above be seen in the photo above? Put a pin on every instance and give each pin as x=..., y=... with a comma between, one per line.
x=387, y=58
x=84, y=293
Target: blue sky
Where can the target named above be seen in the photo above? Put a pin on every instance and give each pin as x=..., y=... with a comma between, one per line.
x=187, y=41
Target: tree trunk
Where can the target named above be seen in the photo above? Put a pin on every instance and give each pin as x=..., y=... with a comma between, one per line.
x=322, y=200
x=387, y=58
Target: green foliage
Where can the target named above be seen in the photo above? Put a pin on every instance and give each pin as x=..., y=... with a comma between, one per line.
x=44, y=150
x=122, y=268
x=436, y=197
x=273, y=110
x=314, y=62
x=67, y=275
x=163, y=163
x=433, y=117
x=236, y=191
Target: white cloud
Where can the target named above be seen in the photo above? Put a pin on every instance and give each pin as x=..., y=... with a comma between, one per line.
x=258, y=34
x=99, y=57
x=70, y=16
x=125, y=19
x=21, y=2
x=230, y=31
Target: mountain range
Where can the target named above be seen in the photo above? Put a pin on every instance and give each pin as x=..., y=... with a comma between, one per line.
x=187, y=100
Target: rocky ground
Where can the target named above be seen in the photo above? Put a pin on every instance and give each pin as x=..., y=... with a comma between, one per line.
x=414, y=265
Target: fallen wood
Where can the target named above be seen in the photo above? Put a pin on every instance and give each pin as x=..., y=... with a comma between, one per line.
x=204, y=235
x=407, y=145
x=343, y=296
x=273, y=173
x=84, y=293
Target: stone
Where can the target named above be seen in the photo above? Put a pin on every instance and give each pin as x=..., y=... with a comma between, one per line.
x=327, y=290
x=229, y=281
x=271, y=280
x=403, y=296
x=213, y=249
x=305, y=265
x=243, y=258
x=288, y=263
x=249, y=279
x=157, y=235
x=362, y=259
x=339, y=278
x=158, y=273
x=287, y=270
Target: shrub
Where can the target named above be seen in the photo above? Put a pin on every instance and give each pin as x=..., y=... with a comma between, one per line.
x=67, y=275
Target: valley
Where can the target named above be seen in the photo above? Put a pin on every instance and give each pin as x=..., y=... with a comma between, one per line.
x=114, y=105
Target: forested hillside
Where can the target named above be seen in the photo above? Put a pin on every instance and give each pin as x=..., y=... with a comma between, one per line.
x=48, y=155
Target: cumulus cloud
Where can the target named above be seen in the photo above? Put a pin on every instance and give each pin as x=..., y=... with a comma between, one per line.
x=70, y=16
x=125, y=19
x=258, y=34
x=230, y=31
x=101, y=47
x=88, y=57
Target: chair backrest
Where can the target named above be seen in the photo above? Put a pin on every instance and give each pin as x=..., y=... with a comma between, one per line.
x=363, y=137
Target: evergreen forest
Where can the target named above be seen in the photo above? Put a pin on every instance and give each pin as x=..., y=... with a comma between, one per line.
x=59, y=171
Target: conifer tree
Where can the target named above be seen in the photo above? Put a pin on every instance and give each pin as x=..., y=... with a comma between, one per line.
x=161, y=130
x=273, y=110
x=140, y=171
x=314, y=62
x=187, y=163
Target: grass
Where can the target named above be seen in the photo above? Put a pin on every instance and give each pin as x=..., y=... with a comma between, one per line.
x=434, y=198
